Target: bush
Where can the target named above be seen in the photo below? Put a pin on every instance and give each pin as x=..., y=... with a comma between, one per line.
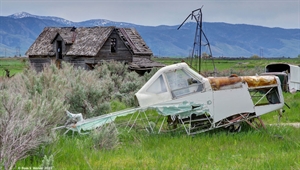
x=32, y=104
x=105, y=137
x=26, y=117
x=120, y=82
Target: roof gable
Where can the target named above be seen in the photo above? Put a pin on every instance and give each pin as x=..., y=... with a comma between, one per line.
x=42, y=45
x=134, y=40
x=89, y=40
x=85, y=41
x=67, y=37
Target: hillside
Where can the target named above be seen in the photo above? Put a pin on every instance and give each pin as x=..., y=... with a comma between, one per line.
x=19, y=31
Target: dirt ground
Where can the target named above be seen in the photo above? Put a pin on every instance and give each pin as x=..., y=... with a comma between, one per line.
x=296, y=125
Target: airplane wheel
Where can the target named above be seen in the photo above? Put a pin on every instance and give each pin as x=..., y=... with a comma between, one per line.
x=235, y=128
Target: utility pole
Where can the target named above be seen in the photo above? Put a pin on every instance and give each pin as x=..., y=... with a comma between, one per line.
x=261, y=51
x=17, y=51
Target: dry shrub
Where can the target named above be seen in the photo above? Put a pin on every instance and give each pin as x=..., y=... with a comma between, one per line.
x=32, y=103
x=123, y=84
x=27, y=115
x=105, y=137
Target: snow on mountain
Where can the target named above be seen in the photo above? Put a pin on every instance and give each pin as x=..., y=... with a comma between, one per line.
x=20, y=15
x=93, y=22
x=104, y=22
x=57, y=19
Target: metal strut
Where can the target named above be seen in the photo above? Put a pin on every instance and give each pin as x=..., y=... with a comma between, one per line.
x=196, y=53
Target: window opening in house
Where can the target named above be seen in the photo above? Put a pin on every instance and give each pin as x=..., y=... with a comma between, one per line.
x=59, y=50
x=181, y=83
x=113, y=45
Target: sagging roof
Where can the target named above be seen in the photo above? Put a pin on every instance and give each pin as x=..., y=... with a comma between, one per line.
x=134, y=40
x=85, y=41
x=140, y=63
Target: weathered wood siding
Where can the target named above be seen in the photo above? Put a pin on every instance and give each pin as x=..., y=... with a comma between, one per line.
x=39, y=62
x=79, y=61
x=122, y=53
x=86, y=46
x=143, y=56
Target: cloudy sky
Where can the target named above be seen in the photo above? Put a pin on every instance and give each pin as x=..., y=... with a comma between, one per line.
x=270, y=13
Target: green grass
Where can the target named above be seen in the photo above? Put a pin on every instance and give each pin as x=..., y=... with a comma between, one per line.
x=14, y=65
x=233, y=64
x=277, y=147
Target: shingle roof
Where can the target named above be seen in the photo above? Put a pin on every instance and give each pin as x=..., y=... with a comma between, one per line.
x=42, y=45
x=135, y=41
x=140, y=63
x=88, y=40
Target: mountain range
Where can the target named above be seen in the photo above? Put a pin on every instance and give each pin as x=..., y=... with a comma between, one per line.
x=19, y=31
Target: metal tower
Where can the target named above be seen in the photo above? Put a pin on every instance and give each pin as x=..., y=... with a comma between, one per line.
x=198, y=40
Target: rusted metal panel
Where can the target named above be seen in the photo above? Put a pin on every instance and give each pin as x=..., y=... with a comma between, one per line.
x=257, y=81
x=218, y=82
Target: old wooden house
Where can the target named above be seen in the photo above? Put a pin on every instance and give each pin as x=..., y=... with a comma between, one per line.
x=87, y=46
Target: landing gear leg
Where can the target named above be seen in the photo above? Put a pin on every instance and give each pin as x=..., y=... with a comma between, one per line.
x=256, y=123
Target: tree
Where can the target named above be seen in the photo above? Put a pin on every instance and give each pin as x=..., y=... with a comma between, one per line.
x=255, y=56
x=205, y=55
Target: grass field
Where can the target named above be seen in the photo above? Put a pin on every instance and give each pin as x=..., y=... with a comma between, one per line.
x=277, y=147
x=232, y=66
x=14, y=65
x=239, y=66
x=274, y=148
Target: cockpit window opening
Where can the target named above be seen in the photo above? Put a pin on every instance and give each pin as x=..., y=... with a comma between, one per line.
x=181, y=83
x=158, y=86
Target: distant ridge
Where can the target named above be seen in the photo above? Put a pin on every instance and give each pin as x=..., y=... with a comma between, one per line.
x=19, y=31
x=56, y=19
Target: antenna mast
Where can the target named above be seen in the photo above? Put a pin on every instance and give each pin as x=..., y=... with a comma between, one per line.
x=197, y=15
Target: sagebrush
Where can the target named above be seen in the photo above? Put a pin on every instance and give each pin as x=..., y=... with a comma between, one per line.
x=33, y=103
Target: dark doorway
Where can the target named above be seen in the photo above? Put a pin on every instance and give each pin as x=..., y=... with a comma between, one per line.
x=113, y=45
x=59, y=49
x=278, y=67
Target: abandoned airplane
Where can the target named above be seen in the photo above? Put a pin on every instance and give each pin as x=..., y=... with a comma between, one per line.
x=183, y=97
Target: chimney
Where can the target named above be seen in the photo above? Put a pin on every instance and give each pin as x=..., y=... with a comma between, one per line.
x=74, y=33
